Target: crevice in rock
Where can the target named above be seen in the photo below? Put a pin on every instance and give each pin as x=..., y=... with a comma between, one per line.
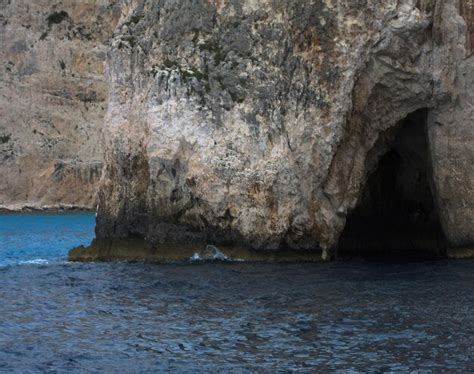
x=396, y=213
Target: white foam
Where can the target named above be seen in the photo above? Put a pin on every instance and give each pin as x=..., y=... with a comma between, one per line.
x=195, y=257
x=212, y=253
x=36, y=261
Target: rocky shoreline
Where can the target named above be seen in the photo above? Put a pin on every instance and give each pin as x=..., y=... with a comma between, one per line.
x=28, y=208
x=308, y=127
x=137, y=250
x=267, y=125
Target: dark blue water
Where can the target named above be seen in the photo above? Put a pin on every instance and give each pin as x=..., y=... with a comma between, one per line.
x=356, y=316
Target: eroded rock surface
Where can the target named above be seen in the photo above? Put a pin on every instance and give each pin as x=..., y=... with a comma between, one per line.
x=259, y=122
x=52, y=100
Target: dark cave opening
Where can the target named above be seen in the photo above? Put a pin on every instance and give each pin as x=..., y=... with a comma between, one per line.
x=396, y=214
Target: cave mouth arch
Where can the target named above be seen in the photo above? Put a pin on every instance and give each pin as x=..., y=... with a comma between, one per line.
x=396, y=215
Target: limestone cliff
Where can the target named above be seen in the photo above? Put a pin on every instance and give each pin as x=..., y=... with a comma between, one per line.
x=258, y=123
x=238, y=121
x=52, y=100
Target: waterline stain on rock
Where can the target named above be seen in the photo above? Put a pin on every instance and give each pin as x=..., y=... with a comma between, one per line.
x=140, y=250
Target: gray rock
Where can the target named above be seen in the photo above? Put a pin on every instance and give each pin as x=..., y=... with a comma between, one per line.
x=258, y=123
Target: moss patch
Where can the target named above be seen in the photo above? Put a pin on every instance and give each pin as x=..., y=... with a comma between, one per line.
x=57, y=17
x=4, y=139
x=215, y=49
x=186, y=73
x=133, y=20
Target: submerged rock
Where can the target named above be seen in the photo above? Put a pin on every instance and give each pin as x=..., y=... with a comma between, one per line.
x=258, y=123
x=211, y=253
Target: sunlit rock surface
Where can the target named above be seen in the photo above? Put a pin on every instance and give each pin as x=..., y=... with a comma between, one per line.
x=258, y=123
x=53, y=98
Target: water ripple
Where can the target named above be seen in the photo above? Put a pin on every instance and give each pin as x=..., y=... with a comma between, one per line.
x=237, y=317
x=346, y=317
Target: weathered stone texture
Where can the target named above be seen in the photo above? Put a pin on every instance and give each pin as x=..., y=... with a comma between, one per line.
x=257, y=122
x=52, y=100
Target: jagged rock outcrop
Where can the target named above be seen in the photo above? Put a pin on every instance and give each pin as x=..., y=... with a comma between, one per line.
x=52, y=100
x=257, y=123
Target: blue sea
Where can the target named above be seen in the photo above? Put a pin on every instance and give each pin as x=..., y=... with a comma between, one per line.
x=42, y=238
x=353, y=316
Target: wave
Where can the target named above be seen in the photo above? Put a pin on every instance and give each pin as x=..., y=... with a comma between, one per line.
x=34, y=262
x=212, y=253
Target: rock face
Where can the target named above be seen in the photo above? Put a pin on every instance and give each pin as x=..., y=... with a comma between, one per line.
x=52, y=100
x=258, y=123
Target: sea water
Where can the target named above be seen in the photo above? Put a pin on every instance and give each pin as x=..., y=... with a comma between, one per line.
x=202, y=317
x=41, y=238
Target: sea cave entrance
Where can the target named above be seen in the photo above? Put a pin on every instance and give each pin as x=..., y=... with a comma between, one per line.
x=396, y=214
